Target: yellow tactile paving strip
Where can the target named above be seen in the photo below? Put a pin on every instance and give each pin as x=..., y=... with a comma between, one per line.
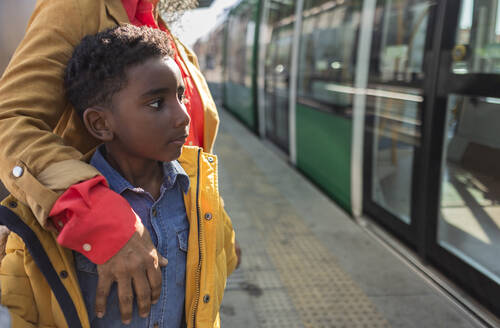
x=322, y=293
x=302, y=284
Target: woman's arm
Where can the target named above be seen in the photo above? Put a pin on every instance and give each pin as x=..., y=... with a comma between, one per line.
x=36, y=163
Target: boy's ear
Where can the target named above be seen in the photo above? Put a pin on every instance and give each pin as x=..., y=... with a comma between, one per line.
x=96, y=122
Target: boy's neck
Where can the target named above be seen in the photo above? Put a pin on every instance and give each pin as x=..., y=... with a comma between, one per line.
x=140, y=172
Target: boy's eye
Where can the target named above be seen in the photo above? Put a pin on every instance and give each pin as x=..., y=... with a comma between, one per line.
x=156, y=104
x=182, y=97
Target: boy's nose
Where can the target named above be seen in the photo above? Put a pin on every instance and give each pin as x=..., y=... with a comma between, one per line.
x=183, y=118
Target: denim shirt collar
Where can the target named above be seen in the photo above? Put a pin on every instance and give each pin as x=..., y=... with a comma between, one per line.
x=172, y=173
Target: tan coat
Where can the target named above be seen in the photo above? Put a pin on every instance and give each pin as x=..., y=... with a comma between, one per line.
x=39, y=130
x=31, y=292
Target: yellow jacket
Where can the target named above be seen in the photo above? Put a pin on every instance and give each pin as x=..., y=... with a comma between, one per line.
x=38, y=278
x=39, y=131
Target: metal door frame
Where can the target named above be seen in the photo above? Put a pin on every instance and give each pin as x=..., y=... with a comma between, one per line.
x=409, y=233
x=292, y=93
x=358, y=114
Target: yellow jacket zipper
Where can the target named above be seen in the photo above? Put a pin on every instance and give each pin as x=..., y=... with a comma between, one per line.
x=200, y=242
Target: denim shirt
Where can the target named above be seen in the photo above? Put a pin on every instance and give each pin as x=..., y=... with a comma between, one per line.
x=168, y=226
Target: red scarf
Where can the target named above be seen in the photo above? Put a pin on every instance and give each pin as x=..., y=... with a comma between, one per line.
x=140, y=12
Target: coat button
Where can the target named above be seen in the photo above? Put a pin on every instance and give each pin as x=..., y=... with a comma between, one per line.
x=13, y=204
x=17, y=171
x=153, y=211
x=63, y=274
x=208, y=216
x=87, y=247
x=206, y=298
x=210, y=159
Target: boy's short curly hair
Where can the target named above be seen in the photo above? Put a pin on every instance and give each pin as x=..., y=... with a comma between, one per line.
x=97, y=68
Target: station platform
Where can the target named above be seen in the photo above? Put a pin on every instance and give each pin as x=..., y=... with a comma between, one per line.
x=307, y=263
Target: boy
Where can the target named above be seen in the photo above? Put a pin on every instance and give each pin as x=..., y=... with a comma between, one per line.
x=129, y=93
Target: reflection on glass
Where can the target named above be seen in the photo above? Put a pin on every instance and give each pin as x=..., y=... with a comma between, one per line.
x=210, y=52
x=327, y=52
x=396, y=133
x=399, y=40
x=469, y=221
x=394, y=113
x=279, y=38
x=241, y=31
x=477, y=47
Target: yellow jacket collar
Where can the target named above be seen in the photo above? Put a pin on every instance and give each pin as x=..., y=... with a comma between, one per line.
x=189, y=160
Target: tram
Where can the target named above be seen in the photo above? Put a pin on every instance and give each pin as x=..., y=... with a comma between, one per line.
x=391, y=107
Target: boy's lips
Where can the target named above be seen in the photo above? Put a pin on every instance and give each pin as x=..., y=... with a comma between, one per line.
x=180, y=140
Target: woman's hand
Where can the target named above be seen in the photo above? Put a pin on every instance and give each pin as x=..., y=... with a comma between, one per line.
x=137, y=265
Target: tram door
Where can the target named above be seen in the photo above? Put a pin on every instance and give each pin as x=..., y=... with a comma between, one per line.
x=432, y=135
x=465, y=185
x=395, y=104
x=279, y=38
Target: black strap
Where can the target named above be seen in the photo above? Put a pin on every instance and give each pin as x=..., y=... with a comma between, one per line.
x=15, y=224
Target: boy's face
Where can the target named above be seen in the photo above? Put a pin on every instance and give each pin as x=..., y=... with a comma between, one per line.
x=148, y=117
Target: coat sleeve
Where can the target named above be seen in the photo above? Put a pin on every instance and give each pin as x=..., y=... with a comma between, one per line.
x=17, y=293
x=36, y=166
x=229, y=243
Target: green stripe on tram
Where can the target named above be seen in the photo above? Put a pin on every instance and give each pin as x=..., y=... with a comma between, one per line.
x=324, y=152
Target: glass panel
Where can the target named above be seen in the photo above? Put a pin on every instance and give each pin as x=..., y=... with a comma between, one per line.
x=399, y=40
x=328, y=51
x=279, y=38
x=469, y=218
x=477, y=47
x=239, y=57
x=394, y=112
x=394, y=120
x=210, y=52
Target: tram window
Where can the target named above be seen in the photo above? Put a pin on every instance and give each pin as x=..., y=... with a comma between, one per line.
x=477, y=47
x=328, y=51
x=399, y=38
x=469, y=212
x=279, y=26
x=239, y=56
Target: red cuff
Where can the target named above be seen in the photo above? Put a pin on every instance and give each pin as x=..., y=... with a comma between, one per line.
x=93, y=220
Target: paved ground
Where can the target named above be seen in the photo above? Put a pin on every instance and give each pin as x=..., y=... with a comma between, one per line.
x=305, y=262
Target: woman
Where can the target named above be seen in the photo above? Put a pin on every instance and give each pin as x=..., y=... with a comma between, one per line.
x=44, y=144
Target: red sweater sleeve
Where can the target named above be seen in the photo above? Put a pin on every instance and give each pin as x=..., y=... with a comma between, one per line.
x=93, y=220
